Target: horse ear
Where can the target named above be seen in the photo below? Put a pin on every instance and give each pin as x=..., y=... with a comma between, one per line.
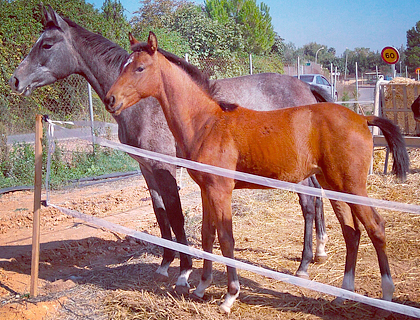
x=52, y=18
x=48, y=15
x=152, y=42
x=133, y=40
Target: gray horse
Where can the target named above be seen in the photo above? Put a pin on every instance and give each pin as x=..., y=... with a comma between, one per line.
x=65, y=48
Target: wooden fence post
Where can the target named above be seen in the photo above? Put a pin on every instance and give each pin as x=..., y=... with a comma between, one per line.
x=37, y=207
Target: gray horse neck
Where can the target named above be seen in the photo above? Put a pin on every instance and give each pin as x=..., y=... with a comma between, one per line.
x=100, y=69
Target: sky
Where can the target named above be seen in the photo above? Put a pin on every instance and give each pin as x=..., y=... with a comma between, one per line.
x=372, y=24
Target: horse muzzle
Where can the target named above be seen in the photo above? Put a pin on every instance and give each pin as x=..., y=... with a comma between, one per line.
x=111, y=105
x=17, y=87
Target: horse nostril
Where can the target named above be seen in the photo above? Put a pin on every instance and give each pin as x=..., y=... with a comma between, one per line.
x=14, y=82
x=110, y=101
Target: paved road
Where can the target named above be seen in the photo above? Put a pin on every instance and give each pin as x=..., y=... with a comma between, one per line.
x=81, y=132
x=366, y=93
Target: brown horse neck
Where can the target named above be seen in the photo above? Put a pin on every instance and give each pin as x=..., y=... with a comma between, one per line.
x=187, y=107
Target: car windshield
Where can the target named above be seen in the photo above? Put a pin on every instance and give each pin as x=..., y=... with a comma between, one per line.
x=306, y=78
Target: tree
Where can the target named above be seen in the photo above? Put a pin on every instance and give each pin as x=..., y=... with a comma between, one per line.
x=113, y=12
x=278, y=46
x=413, y=48
x=254, y=21
x=205, y=36
x=168, y=40
x=153, y=12
x=366, y=59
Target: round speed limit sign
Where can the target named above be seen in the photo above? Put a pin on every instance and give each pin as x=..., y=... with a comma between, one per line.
x=390, y=55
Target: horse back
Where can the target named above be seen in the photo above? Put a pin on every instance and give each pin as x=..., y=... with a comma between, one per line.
x=292, y=144
x=264, y=91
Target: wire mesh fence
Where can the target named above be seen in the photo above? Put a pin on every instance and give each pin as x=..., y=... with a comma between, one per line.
x=65, y=99
x=219, y=68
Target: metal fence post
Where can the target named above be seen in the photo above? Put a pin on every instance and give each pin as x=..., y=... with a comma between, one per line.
x=91, y=115
x=250, y=63
x=357, y=87
x=298, y=71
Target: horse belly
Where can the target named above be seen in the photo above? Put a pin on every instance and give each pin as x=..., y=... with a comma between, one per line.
x=276, y=165
x=276, y=148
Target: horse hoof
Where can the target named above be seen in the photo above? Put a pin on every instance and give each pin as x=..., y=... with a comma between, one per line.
x=196, y=298
x=302, y=274
x=182, y=290
x=338, y=301
x=160, y=277
x=382, y=314
x=321, y=259
x=224, y=309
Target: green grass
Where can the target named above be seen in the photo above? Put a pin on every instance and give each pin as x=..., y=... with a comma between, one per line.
x=18, y=163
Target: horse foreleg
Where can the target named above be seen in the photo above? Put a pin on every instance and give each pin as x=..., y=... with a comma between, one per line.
x=208, y=235
x=169, y=191
x=217, y=215
x=163, y=222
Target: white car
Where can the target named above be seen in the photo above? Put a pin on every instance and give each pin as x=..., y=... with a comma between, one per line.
x=318, y=80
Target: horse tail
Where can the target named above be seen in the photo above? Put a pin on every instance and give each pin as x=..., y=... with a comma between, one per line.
x=396, y=144
x=320, y=94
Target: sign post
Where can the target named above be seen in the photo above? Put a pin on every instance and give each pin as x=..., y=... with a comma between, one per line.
x=391, y=56
x=418, y=74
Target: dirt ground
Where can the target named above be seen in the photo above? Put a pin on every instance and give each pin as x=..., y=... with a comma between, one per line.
x=90, y=273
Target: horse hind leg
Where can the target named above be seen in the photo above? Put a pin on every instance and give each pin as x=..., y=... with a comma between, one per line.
x=350, y=227
x=308, y=209
x=375, y=227
x=312, y=208
x=321, y=233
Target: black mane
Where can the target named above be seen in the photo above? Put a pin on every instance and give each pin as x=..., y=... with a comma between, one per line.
x=196, y=75
x=112, y=53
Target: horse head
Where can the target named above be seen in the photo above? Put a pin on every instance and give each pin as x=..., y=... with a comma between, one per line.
x=52, y=48
x=138, y=78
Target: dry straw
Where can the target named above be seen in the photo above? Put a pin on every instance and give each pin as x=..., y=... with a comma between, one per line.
x=398, y=96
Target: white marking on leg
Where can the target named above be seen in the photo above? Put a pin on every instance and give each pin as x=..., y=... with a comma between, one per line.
x=387, y=288
x=183, y=279
x=202, y=286
x=163, y=270
x=348, y=281
x=229, y=301
x=302, y=274
x=320, y=246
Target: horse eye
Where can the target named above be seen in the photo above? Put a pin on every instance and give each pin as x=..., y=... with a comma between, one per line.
x=139, y=69
x=46, y=46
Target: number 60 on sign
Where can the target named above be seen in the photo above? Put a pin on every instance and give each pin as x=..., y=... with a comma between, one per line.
x=390, y=55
